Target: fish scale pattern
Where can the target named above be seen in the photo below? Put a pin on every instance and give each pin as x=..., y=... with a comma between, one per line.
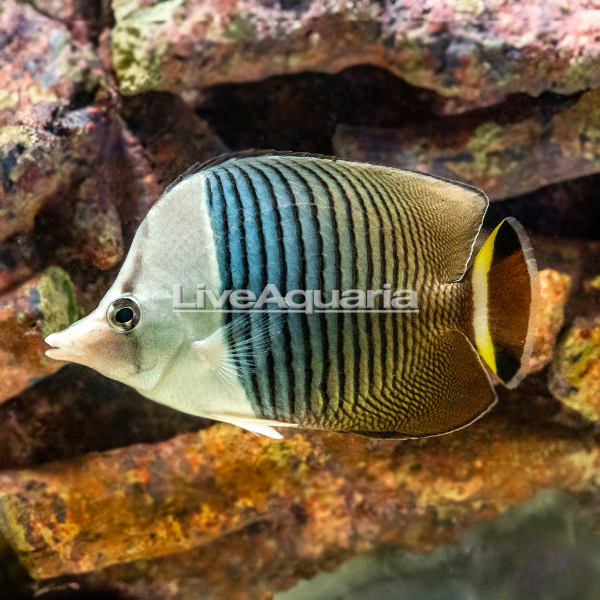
x=311, y=224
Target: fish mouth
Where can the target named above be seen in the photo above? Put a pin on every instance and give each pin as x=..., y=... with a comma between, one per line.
x=60, y=349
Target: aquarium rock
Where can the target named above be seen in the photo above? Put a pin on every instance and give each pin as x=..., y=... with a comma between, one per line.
x=340, y=495
x=507, y=152
x=28, y=313
x=473, y=53
x=575, y=374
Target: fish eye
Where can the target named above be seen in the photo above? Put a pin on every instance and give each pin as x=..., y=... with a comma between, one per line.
x=123, y=314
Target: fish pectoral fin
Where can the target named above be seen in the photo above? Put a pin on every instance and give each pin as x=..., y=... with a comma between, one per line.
x=452, y=389
x=232, y=350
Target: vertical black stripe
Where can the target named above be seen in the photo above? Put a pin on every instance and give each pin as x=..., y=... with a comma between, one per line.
x=282, y=286
x=382, y=407
x=293, y=167
x=227, y=283
x=358, y=349
x=420, y=275
x=370, y=272
x=405, y=228
x=340, y=318
x=411, y=355
x=353, y=182
x=308, y=354
x=209, y=194
x=239, y=207
x=353, y=317
x=397, y=232
x=383, y=278
x=262, y=264
x=366, y=405
x=413, y=405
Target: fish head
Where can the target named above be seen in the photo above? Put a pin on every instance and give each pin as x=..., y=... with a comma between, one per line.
x=135, y=335
x=126, y=338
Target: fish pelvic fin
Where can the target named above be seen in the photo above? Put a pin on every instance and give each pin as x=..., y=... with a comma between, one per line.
x=505, y=288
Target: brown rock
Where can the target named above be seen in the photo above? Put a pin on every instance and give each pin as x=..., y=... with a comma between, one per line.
x=14, y=268
x=554, y=293
x=66, y=156
x=39, y=307
x=567, y=212
x=575, y=375
x=327, y=495
x=84, y=18
x=76, y=411
x=98, y=189
x=44, y=75
x=300, y=112
x=508, y=150
x=473, y=53
x=173, y=136
x=264, y=559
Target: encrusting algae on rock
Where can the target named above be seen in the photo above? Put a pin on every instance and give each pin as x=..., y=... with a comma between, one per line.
x=554, y=293
x=322, y=496
x=29, y=313
x=575, y=374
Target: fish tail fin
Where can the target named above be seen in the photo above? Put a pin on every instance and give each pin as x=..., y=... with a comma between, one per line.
x=505, y=288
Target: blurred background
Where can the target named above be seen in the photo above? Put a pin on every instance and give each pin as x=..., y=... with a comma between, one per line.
x=104, y=494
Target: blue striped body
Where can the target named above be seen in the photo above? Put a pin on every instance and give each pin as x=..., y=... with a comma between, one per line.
x=301, y=223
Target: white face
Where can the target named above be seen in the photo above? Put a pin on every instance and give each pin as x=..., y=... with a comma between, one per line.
x=125, y=339
x=134, y=334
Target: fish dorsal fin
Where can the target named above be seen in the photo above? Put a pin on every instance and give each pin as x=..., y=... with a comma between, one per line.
x=445, y=218
x=232, y=350
x=223, y=158
x=446, y=215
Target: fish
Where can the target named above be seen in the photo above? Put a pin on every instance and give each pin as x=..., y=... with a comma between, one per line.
x=332, y=233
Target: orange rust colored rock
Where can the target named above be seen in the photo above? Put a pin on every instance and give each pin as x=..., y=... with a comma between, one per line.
x=575, y=375
x=554, y=293
x=348, y=493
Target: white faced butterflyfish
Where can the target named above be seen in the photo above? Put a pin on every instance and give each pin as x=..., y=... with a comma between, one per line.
x=286, y=222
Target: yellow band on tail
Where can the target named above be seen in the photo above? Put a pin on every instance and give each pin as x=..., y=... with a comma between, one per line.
x=481, y=268
x=505, y=291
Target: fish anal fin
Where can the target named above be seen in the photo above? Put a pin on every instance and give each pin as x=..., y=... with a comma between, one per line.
x=454, y=389
x=254, y=424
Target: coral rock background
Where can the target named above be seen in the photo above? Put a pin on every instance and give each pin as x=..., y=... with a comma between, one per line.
x=103, y=104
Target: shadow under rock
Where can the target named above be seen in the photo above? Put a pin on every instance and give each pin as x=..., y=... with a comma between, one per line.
x=77, y=411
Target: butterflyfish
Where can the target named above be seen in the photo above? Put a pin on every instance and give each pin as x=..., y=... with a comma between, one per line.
x=360, y=311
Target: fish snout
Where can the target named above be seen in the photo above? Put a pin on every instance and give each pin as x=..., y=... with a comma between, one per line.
x=62, y=346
